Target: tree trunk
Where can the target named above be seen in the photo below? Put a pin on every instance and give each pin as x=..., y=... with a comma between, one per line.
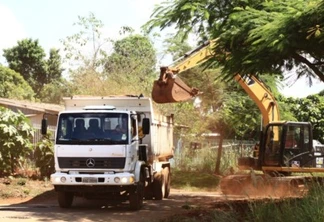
x=219, y=154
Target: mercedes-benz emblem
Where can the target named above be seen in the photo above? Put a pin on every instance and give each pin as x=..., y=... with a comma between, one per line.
x=90, y=162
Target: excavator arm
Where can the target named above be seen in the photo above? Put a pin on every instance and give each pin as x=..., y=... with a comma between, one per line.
x=170, y=88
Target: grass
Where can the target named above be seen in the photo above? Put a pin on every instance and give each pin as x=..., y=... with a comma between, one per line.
x=194, y=181
x=193, y=171
x=308, y=208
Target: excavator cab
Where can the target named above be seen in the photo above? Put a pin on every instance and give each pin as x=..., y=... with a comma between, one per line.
x=169, y=88
x=292, y=147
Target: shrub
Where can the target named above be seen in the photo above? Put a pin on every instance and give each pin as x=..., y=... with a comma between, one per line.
x=44, y=155
x=15, y=133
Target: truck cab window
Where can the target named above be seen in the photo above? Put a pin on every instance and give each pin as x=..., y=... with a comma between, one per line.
x=92, y=128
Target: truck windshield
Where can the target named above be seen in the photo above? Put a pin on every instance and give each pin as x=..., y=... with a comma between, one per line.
x=92, y=128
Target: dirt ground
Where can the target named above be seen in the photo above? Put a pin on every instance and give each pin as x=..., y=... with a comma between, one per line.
x=37, y=200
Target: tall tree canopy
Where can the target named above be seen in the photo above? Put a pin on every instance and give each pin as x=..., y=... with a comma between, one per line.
x=13, y=85
x=29, y=59
x=132, y=64
x=255, y=36
x=126, y=66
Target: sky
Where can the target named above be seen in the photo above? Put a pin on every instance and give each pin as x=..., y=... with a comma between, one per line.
x=52, y=20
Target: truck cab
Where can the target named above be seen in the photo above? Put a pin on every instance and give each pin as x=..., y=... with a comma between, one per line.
x=111, y=149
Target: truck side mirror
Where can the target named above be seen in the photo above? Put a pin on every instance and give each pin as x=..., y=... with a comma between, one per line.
x=44, y=127
x=146, y=126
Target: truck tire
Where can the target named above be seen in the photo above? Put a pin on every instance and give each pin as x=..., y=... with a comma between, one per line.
x=65, y=199
x=158, y=186
x=167, y=181
x=136, y=197
x=148, y=192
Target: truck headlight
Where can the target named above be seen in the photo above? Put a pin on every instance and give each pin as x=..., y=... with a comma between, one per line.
x=117, y=179
x=63, y=179
x=124, y=180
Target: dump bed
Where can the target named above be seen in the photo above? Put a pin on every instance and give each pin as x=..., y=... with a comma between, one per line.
x=160, y=139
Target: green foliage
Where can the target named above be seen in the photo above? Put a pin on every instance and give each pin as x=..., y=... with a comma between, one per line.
x=127, y=69
x=255, y=36
x=55, y=91
x=309, y=109
x=13, y=85
x=132, y=63
x=176, y=46
x=306, y=209
x=204, y=159
x=28, y=59
x=15, y=134
x=224, y=107
x=54, y=67
x=44, y=155
x=194, y=180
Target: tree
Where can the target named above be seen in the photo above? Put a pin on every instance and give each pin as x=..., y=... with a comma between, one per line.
x=132, y=64
x=54, y=67
x=85, y=48
x=13, y=85
x=55, y=91
x=309, y=109
x=126, y=68
x=15, y=134
x=28, y=59
x=256, y=36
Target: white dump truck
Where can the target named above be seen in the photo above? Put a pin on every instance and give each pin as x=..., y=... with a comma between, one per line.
x=113, y=148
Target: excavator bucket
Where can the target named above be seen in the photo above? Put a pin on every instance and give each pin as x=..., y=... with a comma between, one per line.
x=170, y=88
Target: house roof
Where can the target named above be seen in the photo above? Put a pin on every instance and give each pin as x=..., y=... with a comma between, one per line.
x=41, y=107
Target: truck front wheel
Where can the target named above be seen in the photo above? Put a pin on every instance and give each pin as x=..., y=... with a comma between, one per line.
x=136, y=197
x=65, y=199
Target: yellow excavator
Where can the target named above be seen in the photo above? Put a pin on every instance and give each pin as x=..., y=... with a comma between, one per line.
x=285, y=147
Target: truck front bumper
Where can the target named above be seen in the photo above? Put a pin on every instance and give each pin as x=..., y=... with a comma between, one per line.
x=121, y=179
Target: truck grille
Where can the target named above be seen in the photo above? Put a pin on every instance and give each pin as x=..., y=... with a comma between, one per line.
x=92, y=162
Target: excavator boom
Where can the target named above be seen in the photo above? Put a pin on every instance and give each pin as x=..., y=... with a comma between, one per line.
x=262, y=97
x=284, y=146
x=170, y=88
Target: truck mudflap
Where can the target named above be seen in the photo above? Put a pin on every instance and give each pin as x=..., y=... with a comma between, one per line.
x=120, y=179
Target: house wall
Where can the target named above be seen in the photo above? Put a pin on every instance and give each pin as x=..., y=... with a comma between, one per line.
x=35, y=116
